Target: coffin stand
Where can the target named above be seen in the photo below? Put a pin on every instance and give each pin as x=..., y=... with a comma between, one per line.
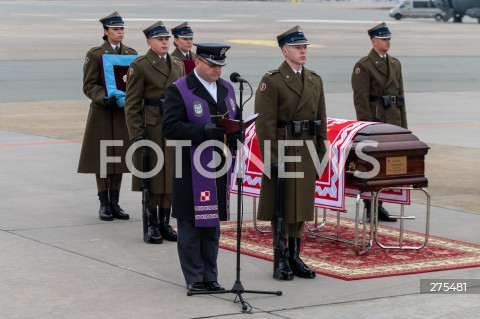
x=401, y=158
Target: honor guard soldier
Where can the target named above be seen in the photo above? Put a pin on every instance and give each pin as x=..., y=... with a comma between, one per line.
x=378, y=95
x=106, y=121
x=291, y=102
x=194, y=104
x=148, y=78
x=183, y=41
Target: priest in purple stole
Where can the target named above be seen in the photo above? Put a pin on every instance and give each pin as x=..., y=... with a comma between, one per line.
x=193, y=106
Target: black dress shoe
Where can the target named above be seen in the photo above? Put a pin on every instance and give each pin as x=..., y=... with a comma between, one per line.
x=196, y=286
x=383, y=215
x=213, y=286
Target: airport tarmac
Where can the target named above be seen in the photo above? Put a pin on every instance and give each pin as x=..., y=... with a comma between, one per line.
x=57, y=260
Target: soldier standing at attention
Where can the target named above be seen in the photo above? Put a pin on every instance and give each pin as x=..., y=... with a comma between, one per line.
x=377, y=84
x=148, y=78
x=183, y=41
x=106, y=121
x=291, y=103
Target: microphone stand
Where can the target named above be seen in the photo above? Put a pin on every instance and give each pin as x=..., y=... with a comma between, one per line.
x=238, y=288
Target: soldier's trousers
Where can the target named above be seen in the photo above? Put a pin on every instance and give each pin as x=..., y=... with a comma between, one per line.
x=161, y=200
x=112, y=181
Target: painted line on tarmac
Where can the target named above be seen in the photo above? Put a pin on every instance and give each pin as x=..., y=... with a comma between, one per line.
x=265, y=43
x=156, y=19
x=40, y=143
x=426, y=127
x=335, y=21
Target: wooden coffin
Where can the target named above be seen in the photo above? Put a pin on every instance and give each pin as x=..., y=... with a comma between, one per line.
x=400, y=153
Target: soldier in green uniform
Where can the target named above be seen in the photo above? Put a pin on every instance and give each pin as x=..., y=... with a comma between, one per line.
x=106, y=121
x=148, y=78
x=291, y=104
x=377, y=84
x=183, y=41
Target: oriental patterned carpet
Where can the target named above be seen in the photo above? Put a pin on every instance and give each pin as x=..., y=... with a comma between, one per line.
x=339, y=260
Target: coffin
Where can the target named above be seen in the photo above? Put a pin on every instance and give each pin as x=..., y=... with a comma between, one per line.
x=401, y=156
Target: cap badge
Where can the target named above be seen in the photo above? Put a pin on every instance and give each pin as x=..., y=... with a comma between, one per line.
x=198, y=108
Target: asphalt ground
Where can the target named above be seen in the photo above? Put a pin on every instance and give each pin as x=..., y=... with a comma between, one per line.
x=57, y=260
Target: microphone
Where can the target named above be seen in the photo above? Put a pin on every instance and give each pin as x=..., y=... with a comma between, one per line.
x=236, y=78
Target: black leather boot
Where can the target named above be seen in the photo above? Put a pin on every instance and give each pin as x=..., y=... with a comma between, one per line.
x=152, y=236
x=116, y=210
x=298, y=266
x=104, y=213
x=166, y=230
x=383, y=214
x=281, y=268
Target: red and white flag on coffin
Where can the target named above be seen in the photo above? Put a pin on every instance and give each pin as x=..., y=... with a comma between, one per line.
x=330, y=190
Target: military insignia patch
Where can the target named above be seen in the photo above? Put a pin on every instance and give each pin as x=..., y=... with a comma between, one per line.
x=263, y=87
x=86, y=60
x=197, y=109
x=130, y=71
x=357, y=71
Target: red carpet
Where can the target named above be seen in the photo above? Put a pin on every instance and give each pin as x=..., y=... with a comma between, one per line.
x=339, y=260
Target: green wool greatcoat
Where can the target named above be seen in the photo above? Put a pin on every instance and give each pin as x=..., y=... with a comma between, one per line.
x=104, y=121
x=148, y=79
x=178, y=54
x=373, y=77
x=281, y=97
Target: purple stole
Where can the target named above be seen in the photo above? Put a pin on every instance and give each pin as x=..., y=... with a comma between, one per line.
x=205, y=200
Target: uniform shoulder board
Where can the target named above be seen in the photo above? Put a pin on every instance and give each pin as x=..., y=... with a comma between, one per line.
x=177, y=60
x=313, y=72
x=132, y=50
x=95, y=49
x=364, y=59
x=394, y=58
x=272, y=72
x=140, y=58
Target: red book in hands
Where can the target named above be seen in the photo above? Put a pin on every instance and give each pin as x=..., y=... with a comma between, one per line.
x=231, y=125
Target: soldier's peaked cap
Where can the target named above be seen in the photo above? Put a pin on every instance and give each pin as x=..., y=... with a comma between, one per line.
x=294, y=36
x=380, y=31
x=182, y=31
x=213, y=52
x=156, y=30
x=113, y=20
